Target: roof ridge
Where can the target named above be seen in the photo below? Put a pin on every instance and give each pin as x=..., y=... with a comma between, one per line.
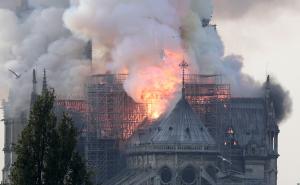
x=183, y=125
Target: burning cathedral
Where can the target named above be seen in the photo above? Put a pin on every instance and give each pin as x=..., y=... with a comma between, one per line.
x=151, y=118
x=208, y=138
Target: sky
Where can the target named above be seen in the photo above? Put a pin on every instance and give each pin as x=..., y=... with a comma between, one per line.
x=266, y=34
x=270, y=44
x=1, y=142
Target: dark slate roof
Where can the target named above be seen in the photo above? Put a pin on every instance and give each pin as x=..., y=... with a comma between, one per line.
x=182, y=126
x=248, y=119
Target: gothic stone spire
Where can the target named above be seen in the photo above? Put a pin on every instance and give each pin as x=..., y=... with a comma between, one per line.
x=45, y=88
x=183, y=65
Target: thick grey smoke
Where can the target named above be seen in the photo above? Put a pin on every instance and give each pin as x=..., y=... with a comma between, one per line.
x=136, y=35
x=282, y=100
x=238, y=8
x=132, y=36
x=132, y=33
x=34, y=37
x=48, y=3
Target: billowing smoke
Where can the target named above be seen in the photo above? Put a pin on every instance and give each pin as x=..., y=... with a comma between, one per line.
x=48, y=3
x=281, y=99
x=33, y=36
x=145, y=38
x=149, y=38
x=140, y=39
x=238, y=8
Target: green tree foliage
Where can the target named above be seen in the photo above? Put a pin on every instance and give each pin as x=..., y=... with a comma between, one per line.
x=46, y=149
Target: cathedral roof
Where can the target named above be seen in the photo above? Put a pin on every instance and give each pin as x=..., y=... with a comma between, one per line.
x=182, y=126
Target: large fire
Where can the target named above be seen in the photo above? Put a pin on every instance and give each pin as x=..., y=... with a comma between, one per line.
x=162, y=83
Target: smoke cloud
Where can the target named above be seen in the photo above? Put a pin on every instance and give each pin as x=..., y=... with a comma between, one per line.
x=133, y=33
x=281, y=99
x=35, y=38
x=47, y=3
x=132, y=36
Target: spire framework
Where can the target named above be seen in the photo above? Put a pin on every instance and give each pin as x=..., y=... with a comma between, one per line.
x=34, y=91
x=183, y=65
x=45, y=86
x=34, y=81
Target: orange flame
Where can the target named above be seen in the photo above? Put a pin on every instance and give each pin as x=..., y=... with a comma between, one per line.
x=162, y=83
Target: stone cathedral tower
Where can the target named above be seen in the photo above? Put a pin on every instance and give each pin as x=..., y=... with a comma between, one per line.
x=14, y=123
x=272, y=132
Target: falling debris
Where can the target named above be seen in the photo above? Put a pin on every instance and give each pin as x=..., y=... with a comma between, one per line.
x=14, y=73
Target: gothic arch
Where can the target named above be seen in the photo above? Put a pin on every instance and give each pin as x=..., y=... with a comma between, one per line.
x=189, y=175
x=166, y=175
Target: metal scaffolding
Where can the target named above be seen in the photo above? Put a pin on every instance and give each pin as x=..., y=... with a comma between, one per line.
x=112, y=116
x=103, y=158
x=112, y=113
x=210, y=99
x=115, y=115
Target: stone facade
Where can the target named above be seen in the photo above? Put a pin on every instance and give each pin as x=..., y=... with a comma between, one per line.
x=178, y=149
x=14, y=122
x=181, y=149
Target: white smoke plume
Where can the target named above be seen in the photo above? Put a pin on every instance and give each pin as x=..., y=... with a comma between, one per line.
x=132, y=33
x=33, y=36
x=135, y=34
x=145, y=38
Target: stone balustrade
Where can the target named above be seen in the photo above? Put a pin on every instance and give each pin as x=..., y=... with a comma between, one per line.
x=184, y=148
